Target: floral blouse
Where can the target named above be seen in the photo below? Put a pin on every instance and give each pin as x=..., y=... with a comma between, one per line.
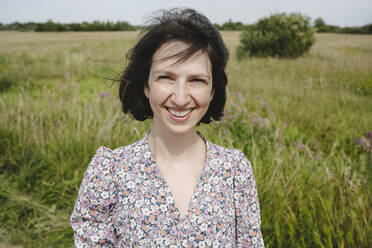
x=125, y=202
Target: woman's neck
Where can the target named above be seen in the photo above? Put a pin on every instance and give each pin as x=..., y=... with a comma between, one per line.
x=167, y=147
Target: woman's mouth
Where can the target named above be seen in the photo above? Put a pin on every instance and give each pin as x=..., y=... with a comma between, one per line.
x=179, y=115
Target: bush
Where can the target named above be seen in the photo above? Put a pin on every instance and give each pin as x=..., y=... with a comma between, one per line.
x=280, y=35
x=230, y=25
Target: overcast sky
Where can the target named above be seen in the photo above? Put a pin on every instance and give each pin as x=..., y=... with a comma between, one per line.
x=335, y=12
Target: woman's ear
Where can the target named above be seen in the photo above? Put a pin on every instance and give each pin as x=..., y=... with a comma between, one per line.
x=146, y=90
x=212, y=94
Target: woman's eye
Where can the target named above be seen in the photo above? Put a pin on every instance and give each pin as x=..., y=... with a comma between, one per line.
x=198, y=80
x=163, y=77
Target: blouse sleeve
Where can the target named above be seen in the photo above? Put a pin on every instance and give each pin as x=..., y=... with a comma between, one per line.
x=247, y=209
x=91, y=218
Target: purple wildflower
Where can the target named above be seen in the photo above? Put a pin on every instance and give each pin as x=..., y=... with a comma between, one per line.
x=104, y=95
x=264, y=104
x=239, y=95
x=364, y=142
x=369, y=135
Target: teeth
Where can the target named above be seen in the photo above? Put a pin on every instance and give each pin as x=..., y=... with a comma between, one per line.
x=179, y=114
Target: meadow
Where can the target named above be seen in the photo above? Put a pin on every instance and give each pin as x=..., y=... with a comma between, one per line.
x=305, y=124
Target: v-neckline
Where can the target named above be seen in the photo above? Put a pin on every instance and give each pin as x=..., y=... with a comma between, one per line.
x=181, y=218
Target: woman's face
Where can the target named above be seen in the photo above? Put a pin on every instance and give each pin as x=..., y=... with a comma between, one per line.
x=179, y=92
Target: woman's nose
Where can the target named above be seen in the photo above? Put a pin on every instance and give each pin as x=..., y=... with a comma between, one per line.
x=180, y=95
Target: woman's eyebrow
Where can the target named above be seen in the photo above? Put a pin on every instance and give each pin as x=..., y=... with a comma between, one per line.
x=192, y=75
x=163, y=71
x=200, y=75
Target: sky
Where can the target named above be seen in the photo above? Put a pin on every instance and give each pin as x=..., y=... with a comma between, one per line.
x=334, y=12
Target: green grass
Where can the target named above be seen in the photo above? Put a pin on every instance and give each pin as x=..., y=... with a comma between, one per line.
x=296, y=120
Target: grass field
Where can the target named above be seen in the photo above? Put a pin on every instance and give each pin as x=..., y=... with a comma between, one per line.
x=305, y=124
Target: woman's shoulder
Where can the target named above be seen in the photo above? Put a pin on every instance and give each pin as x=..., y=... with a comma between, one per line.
x=120, y=152
x=232, y=159
x=218, y=151
x=105, y=161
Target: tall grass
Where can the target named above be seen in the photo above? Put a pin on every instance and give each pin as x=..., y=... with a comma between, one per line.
x=296, y=120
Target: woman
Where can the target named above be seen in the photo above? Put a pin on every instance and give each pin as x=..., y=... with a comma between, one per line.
x=172, y=188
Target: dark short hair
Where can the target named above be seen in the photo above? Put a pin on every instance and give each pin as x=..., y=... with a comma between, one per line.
x=185, y=25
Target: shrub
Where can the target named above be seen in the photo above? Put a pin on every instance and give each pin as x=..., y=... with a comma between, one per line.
x=230, y=25
x=280, y=35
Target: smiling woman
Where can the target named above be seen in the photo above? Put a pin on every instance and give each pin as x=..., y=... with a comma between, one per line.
x=179, y=93
x=172, y=188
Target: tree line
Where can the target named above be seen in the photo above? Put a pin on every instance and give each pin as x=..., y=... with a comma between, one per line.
x=50, y=26
x=322, y=27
